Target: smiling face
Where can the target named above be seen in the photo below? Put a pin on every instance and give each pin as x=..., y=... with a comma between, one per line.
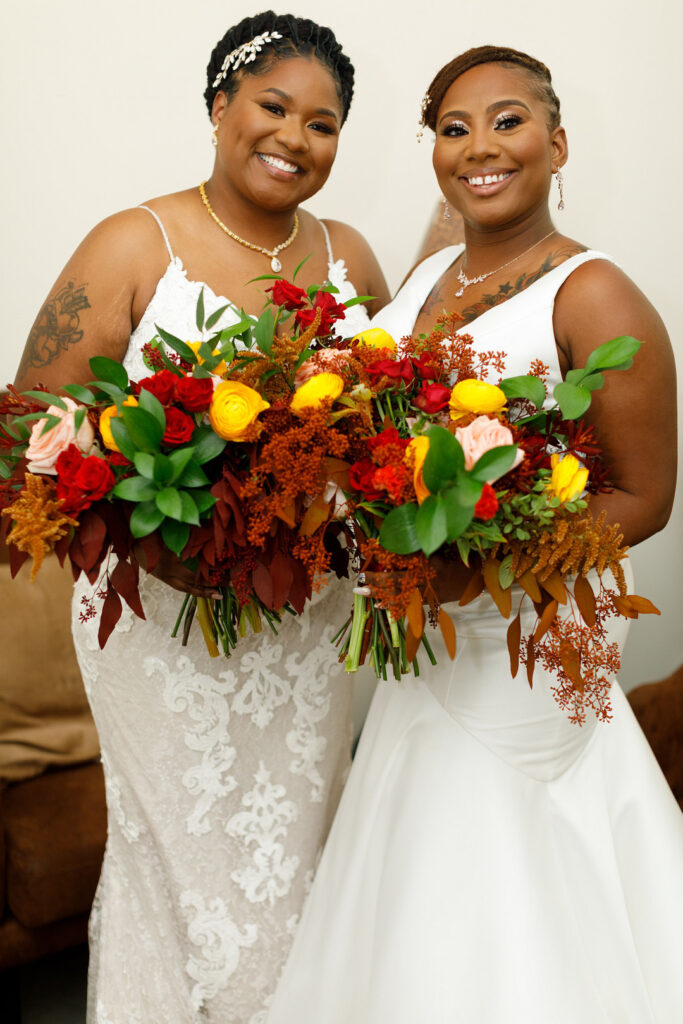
x=277, y=137
x=494, y=153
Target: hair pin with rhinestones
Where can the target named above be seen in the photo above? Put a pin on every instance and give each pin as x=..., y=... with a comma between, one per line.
x=424, y=106
x=244, y=54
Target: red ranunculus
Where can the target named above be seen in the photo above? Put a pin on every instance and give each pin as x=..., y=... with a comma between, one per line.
x=394, y=369
x=385, y=437
x=487, y=506
x=331, y=311
x=288, y=295
x=426, y=366
x=179, y=426
x=360, y=478
x=194, y=393
x=162, y=385
x=432, y=398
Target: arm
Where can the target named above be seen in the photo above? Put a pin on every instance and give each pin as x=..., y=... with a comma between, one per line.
x=634, y=415
x=364, y=270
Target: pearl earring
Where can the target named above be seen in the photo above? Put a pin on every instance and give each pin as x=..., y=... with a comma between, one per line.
x=560, y=183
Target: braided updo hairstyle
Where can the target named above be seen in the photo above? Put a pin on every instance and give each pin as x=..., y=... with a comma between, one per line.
x=539, y=79
x=300, y=38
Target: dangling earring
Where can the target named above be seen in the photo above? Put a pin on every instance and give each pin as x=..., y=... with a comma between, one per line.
x=214, y=134
x=560, y=183
x=445, y=209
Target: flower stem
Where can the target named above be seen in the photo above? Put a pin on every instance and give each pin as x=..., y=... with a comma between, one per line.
x=360, y=616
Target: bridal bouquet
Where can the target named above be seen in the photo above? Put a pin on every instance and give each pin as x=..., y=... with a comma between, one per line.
x=490, y=476
x=223, y=456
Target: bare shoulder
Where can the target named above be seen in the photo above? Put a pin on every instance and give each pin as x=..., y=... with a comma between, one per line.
x=364, y=270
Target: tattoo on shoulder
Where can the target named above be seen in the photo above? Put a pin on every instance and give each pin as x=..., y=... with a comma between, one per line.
x=509, y=288
x=57, y=327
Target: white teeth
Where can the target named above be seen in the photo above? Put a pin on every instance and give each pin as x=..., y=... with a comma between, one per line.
x=489, y=179
x=275, y=161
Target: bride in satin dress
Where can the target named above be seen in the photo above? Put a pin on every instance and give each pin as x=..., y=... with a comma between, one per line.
x=222, y=777
x=491, y=862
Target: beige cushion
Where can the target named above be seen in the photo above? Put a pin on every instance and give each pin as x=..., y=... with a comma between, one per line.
x=44, y=714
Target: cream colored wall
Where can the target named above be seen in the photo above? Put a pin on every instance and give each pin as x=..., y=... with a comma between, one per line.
x=102, y=108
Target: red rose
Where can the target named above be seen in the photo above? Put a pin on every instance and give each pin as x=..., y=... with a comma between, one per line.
x=361, y=476
x=394, y=369
x=386, y=437
x=391, y=479
x=94, y=477
x=194, y=393
x=331, y=311
x=117, y=459
x=288, y=295
x=487, y=506
x=427, y=366
x=162, y=385
x=81, y=480
x=179, y=426
x=432, y=397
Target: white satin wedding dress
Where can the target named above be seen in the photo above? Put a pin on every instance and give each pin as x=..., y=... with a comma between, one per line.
x=490, y=862
x=222, y=777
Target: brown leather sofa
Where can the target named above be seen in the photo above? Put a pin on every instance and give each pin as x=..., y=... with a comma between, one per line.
x=52, y=804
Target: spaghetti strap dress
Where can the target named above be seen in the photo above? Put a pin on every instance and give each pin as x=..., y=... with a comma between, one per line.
x=222, y=776
x=491, y=862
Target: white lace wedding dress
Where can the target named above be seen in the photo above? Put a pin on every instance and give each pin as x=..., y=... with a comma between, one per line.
x=490, y=862
x=222, y=778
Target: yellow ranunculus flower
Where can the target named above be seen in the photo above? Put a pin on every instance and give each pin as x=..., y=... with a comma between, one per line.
x=568, y=478
x=220, y=368
x=475, y=396
x=316, y=390
x=105, y=425
x=419, y=446
x=234, y=408
x=375, y=337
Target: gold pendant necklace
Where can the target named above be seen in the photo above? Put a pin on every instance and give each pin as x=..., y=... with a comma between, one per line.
x=466, y=281
x=275, y=264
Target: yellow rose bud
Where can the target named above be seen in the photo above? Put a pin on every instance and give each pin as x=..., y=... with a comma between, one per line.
x=323, y=387
x=234, y=408
x=475, y=396
x=375, y=337
x=419, y=446
x=568, y=478
x=105, y=423
x=220, y=368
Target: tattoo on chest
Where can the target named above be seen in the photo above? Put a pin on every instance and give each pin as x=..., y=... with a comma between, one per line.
x=57, y=327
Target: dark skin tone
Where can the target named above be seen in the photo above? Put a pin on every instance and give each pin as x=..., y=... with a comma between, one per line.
x=491, y=122
x=291, y=115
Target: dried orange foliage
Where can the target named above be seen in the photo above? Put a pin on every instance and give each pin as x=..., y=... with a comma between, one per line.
x=574, y=545
x=393, y=578
x=455, y=354
x=38, y=521
x=283, y=355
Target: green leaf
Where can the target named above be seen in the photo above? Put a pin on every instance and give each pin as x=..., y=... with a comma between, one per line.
x=215, y=316
x=163, y=469
x=50, y=423
x=177, y=462
x=79, y=393
x=398, y=532
x=200, y=310
x=135, y=488
x=145, y=431
x=528, y=387
x=468, y=490
x=245, y=323
x=572, y=399
x=144, y=463
x=188, y=509
x=506, y=576
x=358, y=298
x=112, y=390
x=204, y=501
x=611, y=355
x=151, y=404
x=207, y=445
x=299, y=266
x=120, y=434
x=445, y=459
x=168, y=501
x=48, y=398
x=494, y=463
x=5, y=471
x=431, y=523
x=594, y=381
x=109, y=370
x=183, y=350
x=263, y=332
x=175, y=535
x=79, y=416
x=458, y=515
x=194, y=476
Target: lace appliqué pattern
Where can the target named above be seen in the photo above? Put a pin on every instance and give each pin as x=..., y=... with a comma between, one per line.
x=264, y=691
x=219, y=941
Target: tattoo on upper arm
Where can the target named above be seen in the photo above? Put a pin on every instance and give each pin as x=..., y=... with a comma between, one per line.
x=57, y=327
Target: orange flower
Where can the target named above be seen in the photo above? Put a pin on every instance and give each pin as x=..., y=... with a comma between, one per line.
x=417, y=453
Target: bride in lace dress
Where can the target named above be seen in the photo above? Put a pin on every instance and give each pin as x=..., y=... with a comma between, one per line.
x=222, y=777
x=491, y=862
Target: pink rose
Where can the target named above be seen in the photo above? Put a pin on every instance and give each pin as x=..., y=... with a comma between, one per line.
x=42, y=451
x=480, y=436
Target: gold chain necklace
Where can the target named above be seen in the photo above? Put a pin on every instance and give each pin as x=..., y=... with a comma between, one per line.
x=275, y=264
x=466, y=281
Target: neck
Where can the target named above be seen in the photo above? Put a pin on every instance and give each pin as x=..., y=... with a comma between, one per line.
x=488, y=247
x=246, y=217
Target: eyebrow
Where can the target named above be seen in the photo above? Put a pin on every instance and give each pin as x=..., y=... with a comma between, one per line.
x=323, y=111
x=498, y=105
